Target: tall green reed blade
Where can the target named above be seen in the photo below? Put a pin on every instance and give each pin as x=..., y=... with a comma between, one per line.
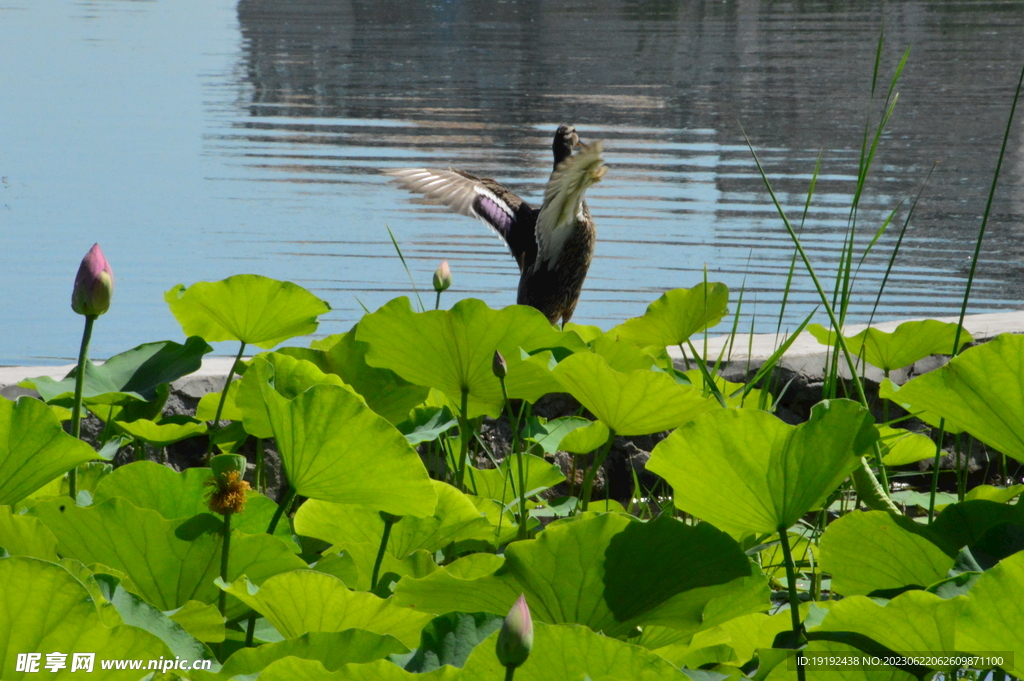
x=970, y=283
x=406, y=266
x=868, y=485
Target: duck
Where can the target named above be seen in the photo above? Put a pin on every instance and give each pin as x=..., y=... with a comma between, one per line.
x=553, y=245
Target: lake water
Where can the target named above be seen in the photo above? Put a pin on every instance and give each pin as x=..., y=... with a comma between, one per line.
x=195, y=139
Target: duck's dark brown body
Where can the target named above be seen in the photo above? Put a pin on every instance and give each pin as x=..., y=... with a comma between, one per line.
x=552, y=245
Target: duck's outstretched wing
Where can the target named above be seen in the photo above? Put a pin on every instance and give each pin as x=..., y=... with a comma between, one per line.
x=475, y=197
x=563, y=200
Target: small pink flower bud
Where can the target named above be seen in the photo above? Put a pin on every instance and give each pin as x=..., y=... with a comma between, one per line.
x=515, y=640
x=94, y=284
x=499, y=366
x=442, y=277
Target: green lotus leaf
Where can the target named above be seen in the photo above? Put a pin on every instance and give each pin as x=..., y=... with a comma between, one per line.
x=991, y=619
x=34, y=449
x=295, y=669
x=874, y=551
x=201, y=620
x=48, y=610
x=206, y=410
x=888, y=390
x=549, y=434
x=785, y=670
x=633, y=403
x=981, y=391
x=167, y=431
x=449, y=640
x=385, y=391
x=289, y=376
x=991, y=530
x=504, y=524
x=908, y=342
x=591, y=655
x=22, y=535
x=246, y=307
x=502, y=483
x=912, y=622
x=900, y=447
x=614, y=580
x=677, y=315
x=621, y=355
x=1000, y=495
x=332, y=649
x=455, y=518
x=586, y=439
x=170, y=562
x=452, y=350
x=134, y=375
x=766, y=474
x=732, y=392
x=304, y=601
x=182, y=495
x=335, y=448
x=426, y=424
x=735, y=640
x=529, y=378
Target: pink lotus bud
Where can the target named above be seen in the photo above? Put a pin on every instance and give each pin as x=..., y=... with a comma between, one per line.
x=442, y=277
x=93, y=285
x=515, y=640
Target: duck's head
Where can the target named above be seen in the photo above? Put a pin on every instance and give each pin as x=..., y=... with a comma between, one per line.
x=566, y=140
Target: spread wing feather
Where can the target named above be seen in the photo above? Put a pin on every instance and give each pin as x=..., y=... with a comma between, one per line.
x=563, y=200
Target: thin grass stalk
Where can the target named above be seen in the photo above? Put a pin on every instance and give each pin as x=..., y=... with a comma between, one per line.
x=524, y=531
x=223, y=398
x=222, y=598
x=76, y=406
x=460, y=472
x=408, y=272
x=261, y=473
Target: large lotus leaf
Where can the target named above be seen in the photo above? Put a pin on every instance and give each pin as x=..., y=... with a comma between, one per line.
x=46, y=610
x=169, y=561
x=908, y=343
x=887, y=390
x=22, y=535
x=866, y=552
x=606, y=571
x=586, y=439
x=167, y=431
x=900, y=447
x=785, y=669
x=134, y=375
x=452, y=350
x=289, y=376
x=634, y=403
x=745, y=470
x=295, y=669
x=502, y=483
x=335, y=448
x=246, y=307
x=455, y=518
x=331, y=649
x=530, y=378
x=34, y=449
x=677, y=315
x=981, y=390
x=386, y=392
x=571, y=652
x=449, y=639
x=206, y=410
x=742, y=636
x=991, y=530
x=1000, y=495
x=549, y=434
x=182, y=495
x=621, y=355
x=426, y=424
x=201, y=620
x=913, y=622
x=307, y=601
x=991, y=619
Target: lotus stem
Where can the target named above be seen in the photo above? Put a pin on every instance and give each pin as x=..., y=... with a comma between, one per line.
x=509, y=673
x=388, y=522
x=935, y=469
x=588, y=480
x=223, y=398
x=76, y=407
x=460, y=473
x=261, y=478
x=794, y=599
x=222, y=599
x=513, y=419
x=282, y=509
x=250, y=630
